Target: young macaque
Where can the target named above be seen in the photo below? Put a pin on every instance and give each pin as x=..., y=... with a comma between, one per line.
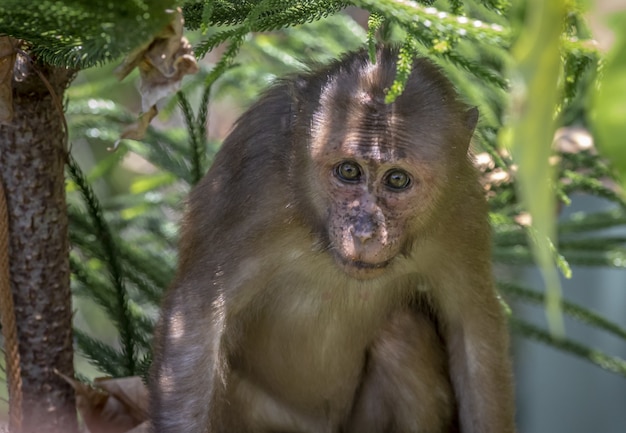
x=335, y=270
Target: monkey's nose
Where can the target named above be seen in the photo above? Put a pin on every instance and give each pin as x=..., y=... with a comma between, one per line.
x=362, y=232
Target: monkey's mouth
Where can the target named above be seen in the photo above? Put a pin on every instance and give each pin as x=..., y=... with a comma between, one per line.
x=364, y=265
x=359, y=269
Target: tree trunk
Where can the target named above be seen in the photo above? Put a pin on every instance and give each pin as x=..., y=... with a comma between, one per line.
x=32, y=160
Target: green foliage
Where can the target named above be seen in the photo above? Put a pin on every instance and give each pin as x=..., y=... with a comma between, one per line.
x=114, y=299
x=82, y=33
x=577, y=312
x=602, y=360
x=582, y=314
x=259, y=15
x=123, y=251
x=124, y=245
x=241, y=18
x=609, y=106
x=535, y=71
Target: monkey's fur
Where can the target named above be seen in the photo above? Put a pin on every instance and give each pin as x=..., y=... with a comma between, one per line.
x=335, y=269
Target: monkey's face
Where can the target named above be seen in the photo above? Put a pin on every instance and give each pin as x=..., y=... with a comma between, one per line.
x=374, y=203
x=379, y=170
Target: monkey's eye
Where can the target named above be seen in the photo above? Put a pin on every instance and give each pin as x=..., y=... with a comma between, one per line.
x=348, y=171
x=397, y=179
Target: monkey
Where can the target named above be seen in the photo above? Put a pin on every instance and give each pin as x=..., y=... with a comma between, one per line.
x=334, y=271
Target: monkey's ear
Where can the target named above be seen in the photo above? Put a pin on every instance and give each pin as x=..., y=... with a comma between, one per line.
x=471, y=118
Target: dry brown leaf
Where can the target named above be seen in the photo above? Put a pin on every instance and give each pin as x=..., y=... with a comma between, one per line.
x=112, y=405
x=129, y=390
x=137, y=130
x=7, y=60
x=162, y=64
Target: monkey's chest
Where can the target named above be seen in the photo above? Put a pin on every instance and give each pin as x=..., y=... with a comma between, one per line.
x=310, y=353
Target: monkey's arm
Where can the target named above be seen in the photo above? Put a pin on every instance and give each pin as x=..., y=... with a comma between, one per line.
x=477, y=341
x=183, y=372
x=236, y=202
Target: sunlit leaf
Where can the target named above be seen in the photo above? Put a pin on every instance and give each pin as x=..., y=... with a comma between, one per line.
x=534, y=77
x=148, y=183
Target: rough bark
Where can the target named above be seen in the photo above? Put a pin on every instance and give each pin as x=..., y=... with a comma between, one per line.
x=32, y=159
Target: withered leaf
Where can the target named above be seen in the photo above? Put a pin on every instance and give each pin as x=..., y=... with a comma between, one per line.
x=112, y=405
x=137, y=130
x=162, y=63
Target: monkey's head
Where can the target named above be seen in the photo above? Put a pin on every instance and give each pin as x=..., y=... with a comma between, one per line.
x=380, y=171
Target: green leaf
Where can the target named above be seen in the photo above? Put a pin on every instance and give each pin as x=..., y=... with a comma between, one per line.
x=534, y=75
x=609, y=103
x=148, y=183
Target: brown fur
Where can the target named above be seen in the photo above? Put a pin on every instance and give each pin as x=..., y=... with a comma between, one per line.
x=308, y=303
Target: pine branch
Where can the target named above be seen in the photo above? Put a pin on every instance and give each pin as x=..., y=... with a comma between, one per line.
x=374, y=23
x=201, y=124
x=456, y=7
x=164, y=156
x=485, y=74
x=93, y=288
x=615, y=258
x=195, y=138
x=573, y=310
x=148, y=291
x=104, y=357
x=581, y=222
x=207, y=45
x=273, y=14
x=90, y=287
x=142, y=263
x=262, y=16
x=122, y=313
x=192, y=13
x=578, y=182
x=606, y=362
x=143, y=367
x=83, y=33
x=439, y=32
x=404, y=66
x=429, y=23
x=228, y=57
x=144, y=326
